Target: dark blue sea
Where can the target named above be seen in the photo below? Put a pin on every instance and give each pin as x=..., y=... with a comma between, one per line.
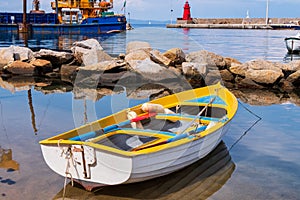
x=259, y=158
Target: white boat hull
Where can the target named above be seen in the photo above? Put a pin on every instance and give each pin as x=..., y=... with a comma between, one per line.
x=112, y=169
x=292, y=44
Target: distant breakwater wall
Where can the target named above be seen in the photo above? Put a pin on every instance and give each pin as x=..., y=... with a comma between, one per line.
x=295, y=21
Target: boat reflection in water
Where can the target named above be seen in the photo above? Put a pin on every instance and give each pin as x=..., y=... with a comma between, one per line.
x=291, y=56
x=197, y=181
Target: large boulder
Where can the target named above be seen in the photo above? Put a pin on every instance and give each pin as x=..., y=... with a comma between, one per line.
x=138, y=45
x=88, y=44
x=55, y=57
x=226, y=75
x=88, y=57
x=13, y=53
x=137, y=55
x=176, y=55
x=204, y=57
x=159, y=58
x=89, y=52
x=66, y=71
x=265, y=76
x=20, y=68
x=294, y=78
x=262, y=71
x=238, y=69
x=42, y=66
x=112, y=65
x=293, y=65
x=194, y=69
x=6, y=56
x=22, y=53
x=151, y=70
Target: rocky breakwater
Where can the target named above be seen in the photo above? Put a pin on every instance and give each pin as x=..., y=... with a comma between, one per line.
x=87, y=66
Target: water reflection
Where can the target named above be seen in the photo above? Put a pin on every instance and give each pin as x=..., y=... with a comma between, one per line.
x=290, y=57
x=197, y=181
x=112, y=43
x=6, y=161
x=56, y=85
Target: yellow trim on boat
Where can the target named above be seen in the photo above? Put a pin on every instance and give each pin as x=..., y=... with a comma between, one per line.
x=168, y=102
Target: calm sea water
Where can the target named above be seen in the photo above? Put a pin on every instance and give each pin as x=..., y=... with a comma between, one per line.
x=260, y=163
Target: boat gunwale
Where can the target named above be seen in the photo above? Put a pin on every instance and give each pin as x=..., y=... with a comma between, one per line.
x=55, y=140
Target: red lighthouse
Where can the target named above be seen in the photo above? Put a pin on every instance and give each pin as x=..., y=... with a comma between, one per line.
x=187, y=11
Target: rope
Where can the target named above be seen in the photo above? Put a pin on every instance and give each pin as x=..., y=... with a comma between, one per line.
x=68, y=174
x=245, y=133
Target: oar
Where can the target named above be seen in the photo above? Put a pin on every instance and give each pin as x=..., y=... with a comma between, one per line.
x=182, y=134
x=110, y=128
x=173, y=139
x=197, y=116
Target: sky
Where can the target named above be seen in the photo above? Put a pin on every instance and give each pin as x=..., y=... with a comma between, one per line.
x=161, y=9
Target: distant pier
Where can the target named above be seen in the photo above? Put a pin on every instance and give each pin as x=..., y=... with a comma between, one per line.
x=238, y=23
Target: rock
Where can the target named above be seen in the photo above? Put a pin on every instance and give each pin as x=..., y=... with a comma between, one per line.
x=19, y=67
x=231, y=61
x=6, y=56
x=67, y=71
x=13, y=53
x=213, y=77
x=103, y=66
x=89, y=52
x=150, y=70
x=293, y=66
x=42, y=66
x=205, y=57
x=238, y=69
x=176, y=55
x=138, y=45
x=226, y=75
x=264, y=76
x=121, y=56
x=88, y=57
x=137, y=55
x=177, y=71
x=286, y=85
x=157, y=57
x=22, y=53
x=263, y=65
x=88, y=44
x=247, y=83
x=294, y=78
x=56, y=58
x=260, y=71
x=193, y=69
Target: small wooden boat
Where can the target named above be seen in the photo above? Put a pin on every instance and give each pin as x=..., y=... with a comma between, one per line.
x=293, y=43
x=124, y=148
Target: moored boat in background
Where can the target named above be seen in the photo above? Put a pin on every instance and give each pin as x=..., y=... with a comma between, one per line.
x=70, y=17
x=145, y=141
x=293, y=43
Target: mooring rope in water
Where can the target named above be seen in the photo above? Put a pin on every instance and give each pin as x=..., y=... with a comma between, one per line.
x=245, y=133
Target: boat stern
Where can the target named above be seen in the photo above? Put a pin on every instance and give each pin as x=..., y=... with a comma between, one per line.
x=85, y=163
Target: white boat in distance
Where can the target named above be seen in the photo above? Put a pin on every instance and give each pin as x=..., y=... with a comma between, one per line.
x=293, y=43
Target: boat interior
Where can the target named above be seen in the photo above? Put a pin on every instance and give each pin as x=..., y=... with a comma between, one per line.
x=161, y=128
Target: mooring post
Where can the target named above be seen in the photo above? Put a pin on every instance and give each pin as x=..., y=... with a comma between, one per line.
x=23, y=26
